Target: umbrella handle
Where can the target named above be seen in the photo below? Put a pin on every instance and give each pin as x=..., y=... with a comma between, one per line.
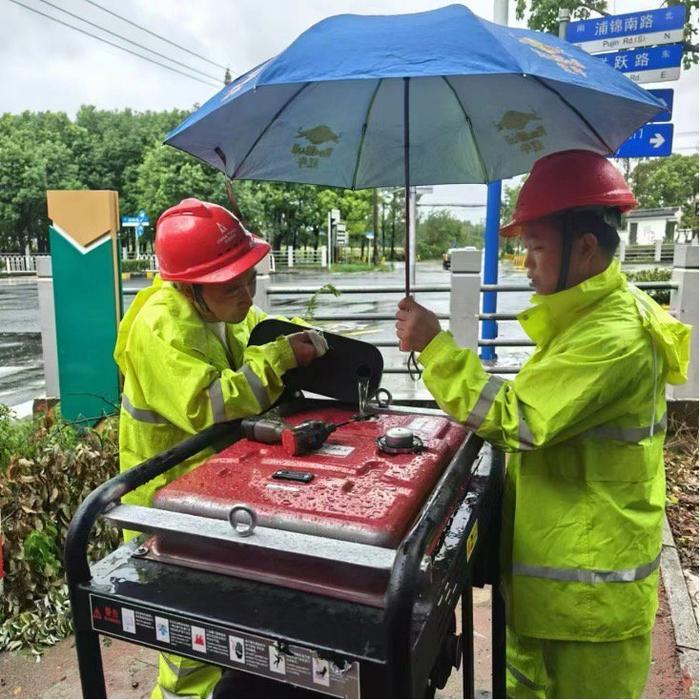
x=234, y=203
x=414, y=371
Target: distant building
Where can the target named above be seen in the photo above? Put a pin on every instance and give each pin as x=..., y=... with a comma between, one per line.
x=646, y=226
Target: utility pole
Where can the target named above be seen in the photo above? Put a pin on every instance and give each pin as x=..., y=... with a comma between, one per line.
x=489, y=329
x=375, y=225
x=564, y=18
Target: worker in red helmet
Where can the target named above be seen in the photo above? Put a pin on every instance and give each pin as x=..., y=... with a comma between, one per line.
x=182, y=348
x=584, y=421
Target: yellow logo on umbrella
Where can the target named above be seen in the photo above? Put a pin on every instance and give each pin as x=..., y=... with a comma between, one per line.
x=556, y=54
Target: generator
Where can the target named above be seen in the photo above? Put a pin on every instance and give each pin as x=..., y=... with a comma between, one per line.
x=324, y=545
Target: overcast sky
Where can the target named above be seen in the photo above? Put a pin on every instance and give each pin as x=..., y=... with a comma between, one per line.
x=47, y=66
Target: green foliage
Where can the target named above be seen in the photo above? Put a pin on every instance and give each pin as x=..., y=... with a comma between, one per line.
x=135, y=265
x=543, y=14
x=669, y=182
x=508, y=201
x=123, y=151
x=41, y=551
x=45, y=478
x=29, y=438
x=14, y=435
x=35, y=155
x=660, y=296
x=440, y=230
x=312, y=303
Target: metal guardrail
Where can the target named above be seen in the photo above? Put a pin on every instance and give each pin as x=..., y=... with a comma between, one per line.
x=378, y=289
x=427, y=289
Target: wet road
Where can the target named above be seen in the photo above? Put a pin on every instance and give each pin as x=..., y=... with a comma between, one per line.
x=21, y=365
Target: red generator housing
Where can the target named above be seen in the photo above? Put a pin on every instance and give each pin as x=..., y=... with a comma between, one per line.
x=349, y=490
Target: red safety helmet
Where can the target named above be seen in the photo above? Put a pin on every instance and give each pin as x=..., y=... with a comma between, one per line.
x=202, y=243
x=569, y=180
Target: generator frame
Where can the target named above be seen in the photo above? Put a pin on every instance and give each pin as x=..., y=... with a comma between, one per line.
x=451, y=547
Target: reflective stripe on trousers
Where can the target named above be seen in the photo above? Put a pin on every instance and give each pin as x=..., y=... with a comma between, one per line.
x=522, y=678
x=587, y=575
x=169, y=694
x=181, y=677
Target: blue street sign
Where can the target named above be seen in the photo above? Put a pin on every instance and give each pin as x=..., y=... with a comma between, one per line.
x=141, y=219
x=649, y=141
x=667, y=97
x=138, y=230
x=652, y=65
x=644, y=59
x=666, y=19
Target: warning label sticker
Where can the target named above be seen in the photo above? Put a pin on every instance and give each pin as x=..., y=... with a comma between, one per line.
x=227, y=647
x=128, y=621
x=424, y=426
x=331, y=450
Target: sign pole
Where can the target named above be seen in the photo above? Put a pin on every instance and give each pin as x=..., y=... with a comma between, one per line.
x=489, y=329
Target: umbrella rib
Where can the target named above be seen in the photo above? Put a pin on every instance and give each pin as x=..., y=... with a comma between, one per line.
x=575, y=111
x=267, y=126
x=484, y=172
x=364, y=132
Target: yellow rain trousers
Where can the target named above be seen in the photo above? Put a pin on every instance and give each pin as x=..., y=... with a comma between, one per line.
x=585, y=420
x=545, y=668
x=178, y=380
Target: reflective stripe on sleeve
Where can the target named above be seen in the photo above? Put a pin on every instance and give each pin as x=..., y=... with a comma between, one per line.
x=256, y=386
x=526, y=441
x=216, y=398
x=588, y=575
x=522, y=678
x=632, y=435
x=484, y=402
x=144, y=415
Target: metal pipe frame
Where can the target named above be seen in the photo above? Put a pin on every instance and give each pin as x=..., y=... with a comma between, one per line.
x=425, y=289
x=87, y=644
x=403, y=584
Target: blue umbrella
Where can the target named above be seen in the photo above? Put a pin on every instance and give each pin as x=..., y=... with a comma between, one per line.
x=429, y=98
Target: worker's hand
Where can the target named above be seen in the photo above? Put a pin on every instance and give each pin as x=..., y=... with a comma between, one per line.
x=416, y=326
x=303, y=348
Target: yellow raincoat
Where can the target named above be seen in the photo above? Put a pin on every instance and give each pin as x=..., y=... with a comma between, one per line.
x=178, y=380
x=585, y=419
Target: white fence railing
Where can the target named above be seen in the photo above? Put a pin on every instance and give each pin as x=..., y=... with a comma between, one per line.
x=12, y=262
x=300, y=257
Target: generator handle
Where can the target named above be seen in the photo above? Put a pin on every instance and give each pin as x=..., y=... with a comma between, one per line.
x=404, y=580
x=87, y=643
x=109, y=493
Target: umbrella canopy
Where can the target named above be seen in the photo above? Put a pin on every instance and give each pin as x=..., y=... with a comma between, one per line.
x=474, y=100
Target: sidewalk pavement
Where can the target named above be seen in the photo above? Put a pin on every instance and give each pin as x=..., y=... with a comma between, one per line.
x=131, y=670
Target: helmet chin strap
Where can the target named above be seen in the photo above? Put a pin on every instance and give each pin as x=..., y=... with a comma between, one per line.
x=199, y=298
x=567, y=238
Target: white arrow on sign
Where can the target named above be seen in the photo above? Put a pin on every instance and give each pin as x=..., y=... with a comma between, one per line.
x=657, y=140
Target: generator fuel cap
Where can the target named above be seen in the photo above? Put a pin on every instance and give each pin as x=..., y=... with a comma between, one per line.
x=399, y=441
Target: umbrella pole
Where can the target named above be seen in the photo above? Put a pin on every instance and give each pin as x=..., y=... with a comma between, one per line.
x=407, y=188
x=413, y=369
